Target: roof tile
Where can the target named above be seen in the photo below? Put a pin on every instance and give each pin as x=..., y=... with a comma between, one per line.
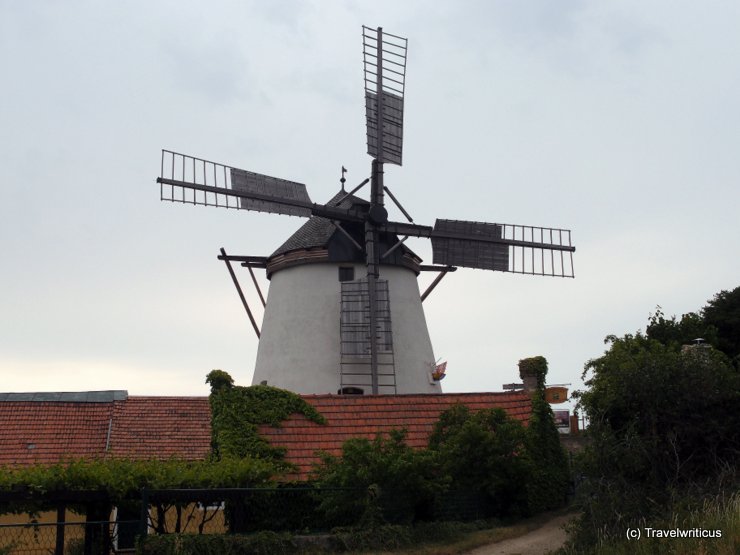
x=179, y=427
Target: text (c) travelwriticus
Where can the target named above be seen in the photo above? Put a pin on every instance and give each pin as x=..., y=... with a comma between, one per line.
x=637, y=533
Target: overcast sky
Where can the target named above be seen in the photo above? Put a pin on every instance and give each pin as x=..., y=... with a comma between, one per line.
x=618, y=120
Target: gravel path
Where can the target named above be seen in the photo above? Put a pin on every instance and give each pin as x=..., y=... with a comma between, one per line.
x=537, y=542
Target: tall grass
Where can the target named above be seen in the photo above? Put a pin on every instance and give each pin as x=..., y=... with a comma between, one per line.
x=720, y=513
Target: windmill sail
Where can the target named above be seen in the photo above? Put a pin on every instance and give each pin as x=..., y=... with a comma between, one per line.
x=460, y=250
x=384, y=60
x=192, y=180
x=392, y=126
x=250, y=182
x=520, y=249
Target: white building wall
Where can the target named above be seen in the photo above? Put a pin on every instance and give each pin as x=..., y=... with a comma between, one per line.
x=299, y=345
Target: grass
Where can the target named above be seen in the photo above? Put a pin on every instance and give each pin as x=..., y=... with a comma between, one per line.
x=720, y=513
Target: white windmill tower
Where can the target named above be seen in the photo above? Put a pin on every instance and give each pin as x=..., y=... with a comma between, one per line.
x=344, y=313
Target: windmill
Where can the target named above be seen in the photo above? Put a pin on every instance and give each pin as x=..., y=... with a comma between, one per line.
x=348, y=231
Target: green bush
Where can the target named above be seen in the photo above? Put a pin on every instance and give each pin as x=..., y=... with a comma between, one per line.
x=478, y=465
x=261, y=543
x=391, y=537
x=399, y=483
x=387, y=537
x=283, y=508
x=75, y=547
x=485, y=452
x=664, y=431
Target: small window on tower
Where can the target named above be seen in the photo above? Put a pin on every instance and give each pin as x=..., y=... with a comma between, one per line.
x=351, y=391
x=346, y=274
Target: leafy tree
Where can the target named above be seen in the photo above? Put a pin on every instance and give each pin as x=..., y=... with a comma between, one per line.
x=484, y=451
x=663, y=421
x=718, y=323
x=385, y=480
x=676, y=332
x=723, y=312
x=477, y=464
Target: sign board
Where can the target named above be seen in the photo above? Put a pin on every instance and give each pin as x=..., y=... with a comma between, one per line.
x=514, y=386
x=562, y=420
x=556, y=394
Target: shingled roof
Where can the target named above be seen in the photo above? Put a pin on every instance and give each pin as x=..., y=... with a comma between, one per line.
x=46, y=428
x=161, y=428
x=45, y=432
x=349, y=416
x=317, y=231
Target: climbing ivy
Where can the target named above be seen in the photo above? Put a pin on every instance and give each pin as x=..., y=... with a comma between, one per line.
x=218, y=379
x=534, y=366
x=237, y=412
x=121, y=479
x=549, y=484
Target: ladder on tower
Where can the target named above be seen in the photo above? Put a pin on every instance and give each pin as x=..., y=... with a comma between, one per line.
x=354, y=326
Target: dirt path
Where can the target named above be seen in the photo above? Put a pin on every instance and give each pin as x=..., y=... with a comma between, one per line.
x=537, y=542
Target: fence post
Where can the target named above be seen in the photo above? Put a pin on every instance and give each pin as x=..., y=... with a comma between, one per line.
x=144, y=517
x=61, y=517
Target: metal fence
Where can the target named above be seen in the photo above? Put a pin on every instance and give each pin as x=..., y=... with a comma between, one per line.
x=68, y=538
x=215, y=511
x=58, y=529
x=241, y=510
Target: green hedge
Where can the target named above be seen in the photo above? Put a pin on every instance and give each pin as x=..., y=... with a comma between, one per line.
x=391, y=537
x=379, y=538
x=262, y=543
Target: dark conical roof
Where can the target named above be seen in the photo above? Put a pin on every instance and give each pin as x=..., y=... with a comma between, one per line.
x=319, y=240
x=317, y=231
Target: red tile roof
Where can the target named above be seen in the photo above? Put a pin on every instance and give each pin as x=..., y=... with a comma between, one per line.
x=161, y=428
x=365, y=416
x=179, y=427
x=47, y=432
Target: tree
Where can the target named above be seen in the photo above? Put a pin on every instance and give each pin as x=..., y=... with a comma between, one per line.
x=382, y=479
x=484, y=451
x=723, y=312
x=718, y=323
x=663, y=421
x=690, y=327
